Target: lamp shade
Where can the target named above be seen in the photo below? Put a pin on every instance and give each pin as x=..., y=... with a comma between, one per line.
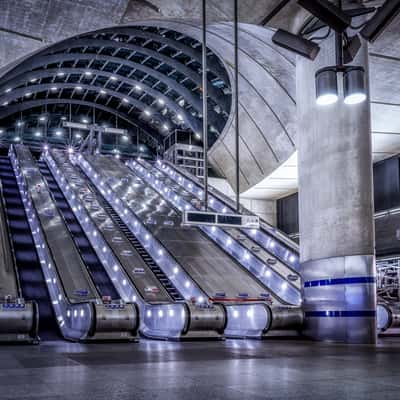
x=354, y=86
x=326, y=86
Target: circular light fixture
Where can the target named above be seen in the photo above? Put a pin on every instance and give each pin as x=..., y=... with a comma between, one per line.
x=354, y=86
x=326, y=86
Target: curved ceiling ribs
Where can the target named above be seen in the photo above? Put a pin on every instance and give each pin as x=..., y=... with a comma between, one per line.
x=142, y=73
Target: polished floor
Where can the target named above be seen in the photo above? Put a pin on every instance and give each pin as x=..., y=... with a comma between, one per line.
x=231, y=370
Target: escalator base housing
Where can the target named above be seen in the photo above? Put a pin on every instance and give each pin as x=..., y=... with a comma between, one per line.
x=19, y=322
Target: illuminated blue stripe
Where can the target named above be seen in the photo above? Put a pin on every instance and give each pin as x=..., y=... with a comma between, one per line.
x=341, y=281
x=335, y=314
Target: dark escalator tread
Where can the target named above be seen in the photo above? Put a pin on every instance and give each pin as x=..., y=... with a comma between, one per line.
x=30, y=273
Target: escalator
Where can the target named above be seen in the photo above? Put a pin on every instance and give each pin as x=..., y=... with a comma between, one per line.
x=31, y=279
x=279, y=277
x=80, y=311
x=216, y=272
x=132, y=265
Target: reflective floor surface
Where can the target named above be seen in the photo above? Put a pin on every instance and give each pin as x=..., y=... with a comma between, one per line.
x=232, y=370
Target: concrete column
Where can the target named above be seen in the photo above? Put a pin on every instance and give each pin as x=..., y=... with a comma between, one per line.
x=336, y=209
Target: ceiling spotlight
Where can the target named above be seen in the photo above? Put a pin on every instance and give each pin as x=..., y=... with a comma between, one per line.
x=328, y=13
x=60, y=73
x=297, y=44
x=147, y=112
x=113, y=78
x=85, y=121
x=161, y=101
x=33, y=80
x=326, y=86
x=37, y=134
x=179, y=116
x=354, y=86
x=8, y=90
x=29, y=94
x=58, y=133
x=20, y=123
x=70, y=150
x=78, y=135
x=78, y=88
x=103, y=91
x=125, y=100
x=125, y=138
x=88, y=73
x=165, y=127
x=197, y=135
x=1, y=131
x=54, y=89
x=42, y=118
x=138, y=87
x=45, y=147
x=63, y=118
x=5, y=103
x=379, y=22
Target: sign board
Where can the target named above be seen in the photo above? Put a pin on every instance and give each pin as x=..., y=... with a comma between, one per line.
x=219, y=219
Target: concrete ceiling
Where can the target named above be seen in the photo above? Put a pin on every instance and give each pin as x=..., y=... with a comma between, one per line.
x=27, y=25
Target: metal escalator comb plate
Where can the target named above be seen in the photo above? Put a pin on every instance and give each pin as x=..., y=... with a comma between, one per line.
x=138, y=270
